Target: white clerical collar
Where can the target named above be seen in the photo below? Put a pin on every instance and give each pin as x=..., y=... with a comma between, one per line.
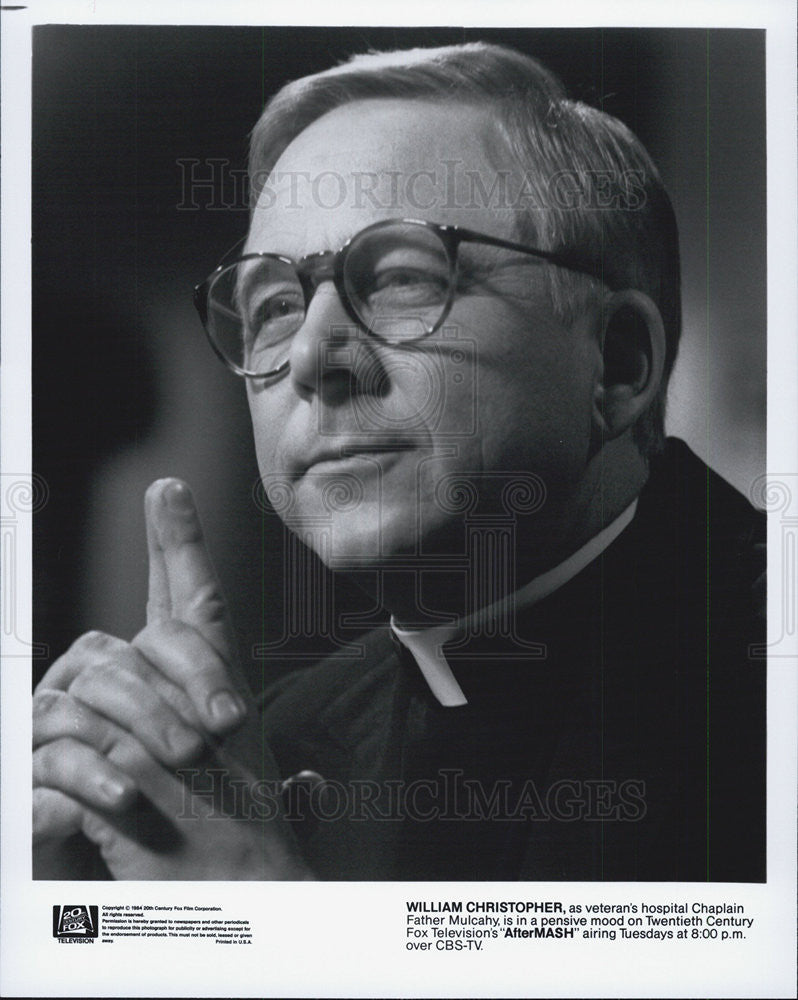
x=426, y=644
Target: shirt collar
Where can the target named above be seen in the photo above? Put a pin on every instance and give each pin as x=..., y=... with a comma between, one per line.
x=426, y=644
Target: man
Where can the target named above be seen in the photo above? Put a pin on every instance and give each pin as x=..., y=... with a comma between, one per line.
x=456, y=313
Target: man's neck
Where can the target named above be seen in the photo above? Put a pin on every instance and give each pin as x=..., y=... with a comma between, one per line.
x=458, y=583
x=539, y=587
x=426, y=644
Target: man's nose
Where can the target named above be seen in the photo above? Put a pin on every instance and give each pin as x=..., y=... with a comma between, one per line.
x=329, y=348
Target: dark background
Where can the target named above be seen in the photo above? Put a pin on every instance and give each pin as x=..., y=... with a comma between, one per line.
x=125, y=388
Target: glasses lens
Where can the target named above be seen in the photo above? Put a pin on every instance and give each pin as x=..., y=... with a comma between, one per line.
x=254, y=307
x=397, y=278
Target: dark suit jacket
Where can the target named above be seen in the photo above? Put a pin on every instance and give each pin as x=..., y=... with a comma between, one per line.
x=633, y=749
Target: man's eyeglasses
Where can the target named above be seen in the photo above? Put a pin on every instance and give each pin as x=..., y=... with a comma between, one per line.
x=396, y=279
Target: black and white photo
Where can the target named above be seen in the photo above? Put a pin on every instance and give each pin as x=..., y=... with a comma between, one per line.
x=454, y=316
x=398, y=500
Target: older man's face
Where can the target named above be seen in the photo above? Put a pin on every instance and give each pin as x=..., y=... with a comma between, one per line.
x=368, y=449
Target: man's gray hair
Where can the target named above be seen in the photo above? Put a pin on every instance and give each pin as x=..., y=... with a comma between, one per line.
x=591, y=191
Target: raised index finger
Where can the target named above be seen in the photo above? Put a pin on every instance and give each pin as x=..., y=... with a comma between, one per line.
x=183, y=582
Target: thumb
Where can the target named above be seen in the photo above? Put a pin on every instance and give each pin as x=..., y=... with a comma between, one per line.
x=183, y=584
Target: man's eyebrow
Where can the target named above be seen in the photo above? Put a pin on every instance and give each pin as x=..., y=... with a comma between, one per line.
x=493, y=270
x=248, y=273
x=243, y=283
x=481, y=257
x=479, y=254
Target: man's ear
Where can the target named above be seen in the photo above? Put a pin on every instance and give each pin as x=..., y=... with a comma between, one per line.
x=633, y=353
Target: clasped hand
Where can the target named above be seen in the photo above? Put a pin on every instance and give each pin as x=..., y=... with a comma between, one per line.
x=153, y=749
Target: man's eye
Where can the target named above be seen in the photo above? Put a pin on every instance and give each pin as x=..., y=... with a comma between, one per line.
x=271, y=316
x=406, y=286
x=279, y=307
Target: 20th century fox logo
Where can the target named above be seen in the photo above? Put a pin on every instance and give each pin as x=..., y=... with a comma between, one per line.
x=75, y=924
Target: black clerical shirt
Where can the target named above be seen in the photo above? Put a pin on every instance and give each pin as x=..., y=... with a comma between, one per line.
x=619, y=733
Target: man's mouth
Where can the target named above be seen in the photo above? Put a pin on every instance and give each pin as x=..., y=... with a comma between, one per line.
x=330, y=456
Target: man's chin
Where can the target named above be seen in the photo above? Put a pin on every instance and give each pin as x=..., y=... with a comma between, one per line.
x=358, y=541
x=388, y=539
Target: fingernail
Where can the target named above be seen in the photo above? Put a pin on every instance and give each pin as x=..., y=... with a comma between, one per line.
x=178, y=498
x=111, y=789
x=225, y=708
x=183, y=742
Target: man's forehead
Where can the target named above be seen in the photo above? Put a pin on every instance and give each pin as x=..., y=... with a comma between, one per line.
x=381, y=159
